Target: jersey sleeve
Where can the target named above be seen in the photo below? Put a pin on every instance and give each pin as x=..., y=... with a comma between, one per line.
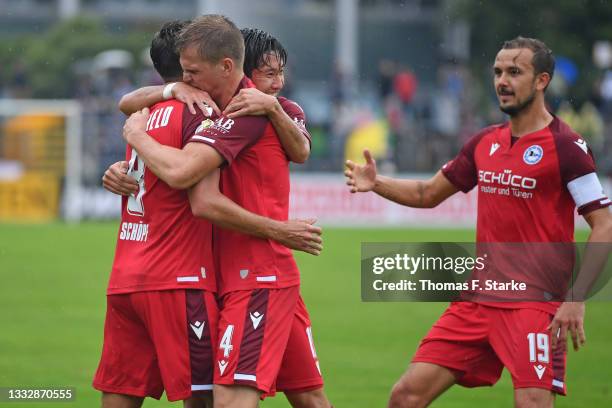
x=296, y=113
x=461, y=171
x=578, y=173
x=228, y=136
x=190, y=124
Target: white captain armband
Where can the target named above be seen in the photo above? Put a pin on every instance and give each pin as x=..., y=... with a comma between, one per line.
x=587, y=190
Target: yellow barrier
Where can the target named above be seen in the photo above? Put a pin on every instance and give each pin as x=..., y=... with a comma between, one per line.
x=33, y=197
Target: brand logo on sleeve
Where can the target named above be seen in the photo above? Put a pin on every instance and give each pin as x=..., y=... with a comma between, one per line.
x=299, y=122
x=533, y=154
x=582, y=145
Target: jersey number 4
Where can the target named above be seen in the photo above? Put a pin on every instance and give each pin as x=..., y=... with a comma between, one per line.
x=136, y=170
x=226, y=341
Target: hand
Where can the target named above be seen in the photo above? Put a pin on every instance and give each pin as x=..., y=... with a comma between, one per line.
x=135, y=125
x=193, y=97
x=570, y=315
x=361, y=178
x=301, y=235
x=250, y=101
x=117, y=181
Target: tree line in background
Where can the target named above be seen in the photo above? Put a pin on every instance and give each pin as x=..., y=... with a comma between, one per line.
x=568, y=27
x=50, y=65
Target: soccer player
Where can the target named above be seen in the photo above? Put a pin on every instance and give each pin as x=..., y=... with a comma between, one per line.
x=473, y=341
x=161, y=317
x=160, y=238
x=265, y=59
x=258, y=279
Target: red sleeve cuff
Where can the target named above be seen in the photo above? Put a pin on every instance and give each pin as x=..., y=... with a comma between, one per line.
x=451, y=176
x=594, y=205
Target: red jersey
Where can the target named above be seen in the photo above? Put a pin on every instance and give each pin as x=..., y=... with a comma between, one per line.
x=295, y=112
x=527, y=190
x=256, y=177
x=161, y=245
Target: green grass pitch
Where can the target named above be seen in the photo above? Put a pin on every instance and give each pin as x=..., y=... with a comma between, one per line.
x=52, y=307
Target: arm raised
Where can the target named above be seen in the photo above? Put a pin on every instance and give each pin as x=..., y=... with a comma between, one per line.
x=411, y=193
x=150, y=95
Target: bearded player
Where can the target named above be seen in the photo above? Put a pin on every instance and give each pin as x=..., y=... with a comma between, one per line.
x=472, y=342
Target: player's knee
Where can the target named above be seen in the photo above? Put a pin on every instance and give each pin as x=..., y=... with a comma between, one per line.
x=200, y=401
x=533, y=398
x=235, y=397
x=110, y=400
x=308, y=399
x=407, y=394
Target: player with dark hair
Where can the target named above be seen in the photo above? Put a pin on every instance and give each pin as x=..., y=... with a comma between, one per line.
x=258, y=280
x=163, y=53
x=259, y=45
x=163, y=267
x=160, y=327
x=264, y=60
x=472, y=341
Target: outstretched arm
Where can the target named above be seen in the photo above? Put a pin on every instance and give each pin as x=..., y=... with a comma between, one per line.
x=251, y=101
x=208, y=202
x=411, y=193
x=150, y=95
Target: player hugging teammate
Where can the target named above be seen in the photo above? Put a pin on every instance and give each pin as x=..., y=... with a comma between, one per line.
x=223, y=155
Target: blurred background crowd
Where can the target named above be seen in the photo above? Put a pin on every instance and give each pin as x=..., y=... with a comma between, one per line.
x=410, y=79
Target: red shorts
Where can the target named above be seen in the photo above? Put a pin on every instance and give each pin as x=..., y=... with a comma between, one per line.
x=156, y=341
x=477, y=341
x=265, y=334
x=300, y=370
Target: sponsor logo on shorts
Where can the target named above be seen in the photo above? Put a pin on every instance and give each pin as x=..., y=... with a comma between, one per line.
x=256, y=319
x=198, y=328
x=539, y=369
x=222, y=366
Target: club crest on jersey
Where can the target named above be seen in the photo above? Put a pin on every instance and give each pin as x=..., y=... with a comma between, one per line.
x=204, y=125
x=533, y=154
